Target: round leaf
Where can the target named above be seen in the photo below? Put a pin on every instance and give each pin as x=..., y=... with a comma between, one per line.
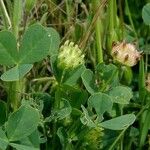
x=146, y=14
x=35, y=45
x=22, y=123
x=8, y=49
x=100, y=102
x=121, y=94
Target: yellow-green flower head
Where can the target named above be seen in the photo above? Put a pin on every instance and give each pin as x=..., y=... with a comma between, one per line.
x=94, y=138
x=125, y=53
x=70, y=56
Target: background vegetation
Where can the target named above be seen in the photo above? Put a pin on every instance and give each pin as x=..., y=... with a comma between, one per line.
x=53, y=99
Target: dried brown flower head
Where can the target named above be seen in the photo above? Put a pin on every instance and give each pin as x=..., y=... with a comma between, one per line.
x=125, y=53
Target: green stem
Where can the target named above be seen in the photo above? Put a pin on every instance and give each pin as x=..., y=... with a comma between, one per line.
x=13, y=95
x=68, y=10
x=141, y=81
x=112, y=20
x=121, y=18
x=117, y=139
x=145, y=129
x=130, y=18
x=98, y=29
x=15, y=87
x=17, y=14
x=6, y=18
x=56, y=107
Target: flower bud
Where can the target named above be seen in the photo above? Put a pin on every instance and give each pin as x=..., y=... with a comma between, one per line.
x=125, y=53
x=70, y=56
x=93, y=138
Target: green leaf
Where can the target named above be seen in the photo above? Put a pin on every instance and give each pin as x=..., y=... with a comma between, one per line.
x=108, y=74
x=54, y=41
x=121, y=94
x=89, y=81
x=101, y=103
x=3, y=111
x=16, y=73
x=86, y=119
x=75, y=96
x=29, y=4
x=8, y=48
x=119, y=123
x=22, y=147
x=64, y=110
x=22, y=123
x=35, y=44
x=32, y=140
x=3, y=140
x=62, y=136
x=72, y=77
x=146, y=14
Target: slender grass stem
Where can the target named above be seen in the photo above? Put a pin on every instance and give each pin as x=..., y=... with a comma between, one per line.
x=145, y=129
x=98, y=30
x=117, y=139
x=90, y=29
x=112, y=24
x=17, y=14
x=5, y=15
x=130, y=18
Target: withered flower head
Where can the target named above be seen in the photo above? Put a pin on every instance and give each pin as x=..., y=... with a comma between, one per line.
x=125, y=53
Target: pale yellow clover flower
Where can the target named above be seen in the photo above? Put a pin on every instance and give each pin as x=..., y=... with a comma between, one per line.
x=70, y=56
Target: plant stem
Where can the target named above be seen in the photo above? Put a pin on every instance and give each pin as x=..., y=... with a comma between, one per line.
x=13, y=95
x=15, y=87
x=68, y=10
x=17, y=14
x=145, y=129
x=117, y=139
x=112, y=14
x=98, y=29
x=130, y=18
x=6, y=18
x=141, y=81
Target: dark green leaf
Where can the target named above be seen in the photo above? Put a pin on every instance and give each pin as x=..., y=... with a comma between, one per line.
x=108, y=74
x=72, y=77
x=64, y=110
x=32, y=140
x=89, y=81
x=3, y=111
x=16, y=73
x=146, y=14
x=35, y=44
x=3, y=140
x=22, y=123
x=8, y=49
x=54, y=41
x=101, y=103
x=22, y=147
